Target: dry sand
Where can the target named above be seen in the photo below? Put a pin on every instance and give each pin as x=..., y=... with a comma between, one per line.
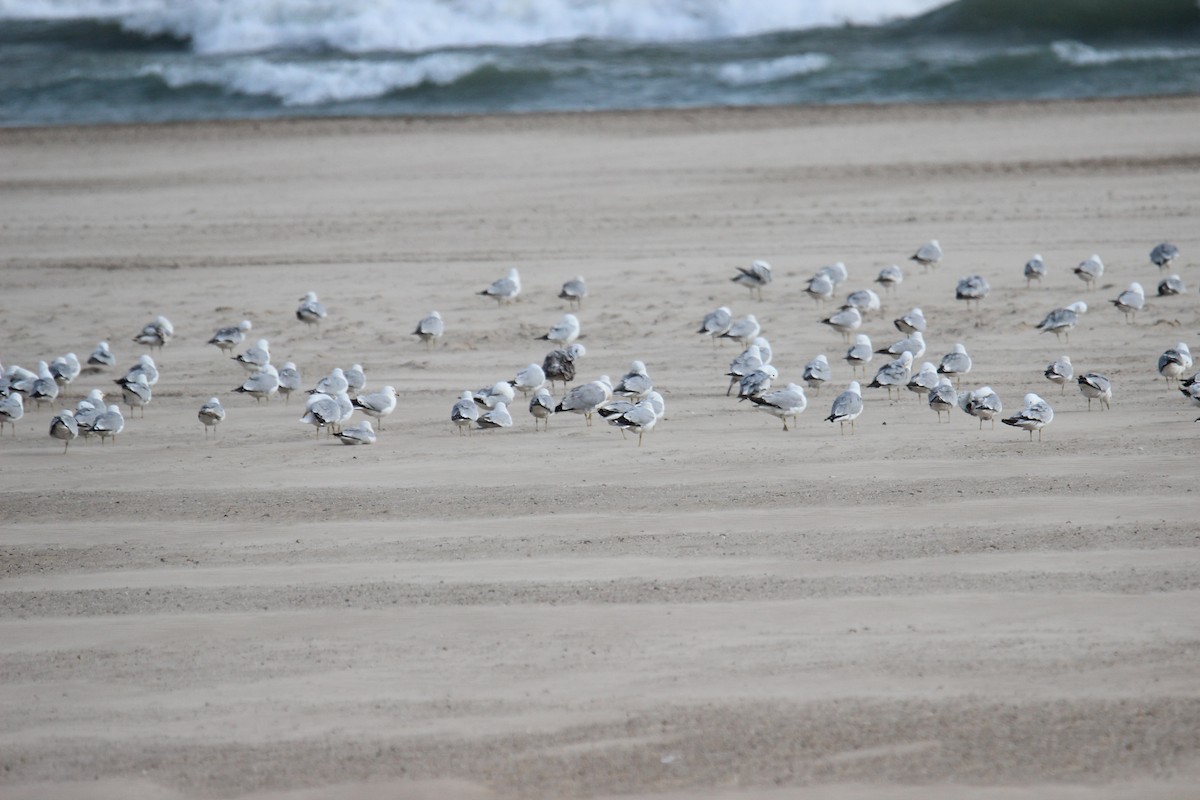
x=729, y=611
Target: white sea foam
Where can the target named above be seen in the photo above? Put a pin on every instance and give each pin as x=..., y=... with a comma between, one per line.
x=1081, y=55
x=318, y=82
x=240, y=26
x=745, y=73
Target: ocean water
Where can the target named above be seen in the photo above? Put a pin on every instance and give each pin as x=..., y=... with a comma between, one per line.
x=111, y=61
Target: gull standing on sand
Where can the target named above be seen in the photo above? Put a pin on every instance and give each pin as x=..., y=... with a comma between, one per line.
x=639, y=419
x=102, y=356
x=1175, y=361
x=1060, y=321
x=754, y=277
x=1163, y=254
x=635, y=383
x=943, y=397
x=261, y=384
x=256, y=357
x=65, y=369
x=982, y=403
x=586, y=398
x=1090, y=270
x=88, y=409
x=496, y=417
x=817, y=372
x=1095, y=386
x=136, y=392
x=356, y=379
x=924, y=381
x=12, y=408
x=311, y=310
x=1060, y=371
x=860, y=354
x=890, y=278
x=44, y=388
x=156, y=333
x=1130, y=301
x=211, y=414
x=744, y=330
x=1036, y=415
x=782, y=403
x=362, y=433
x=573, y=291
x=757, y=382
x=928, y=254
x=110, y=423
x=333, y=383
x=914, y=343
x=504, y=290
x=715, y=323
x=565, y=331
x=1191, y=391
x=64, y=427
x=464, y=412
x=430, y=328
x=321, y=411
x=529, y=379
x=836, y=272
x=1035, y=270
x=228, y=338
x=499, y=392
x=377, y=404
x=289, y=380
x=846, y=407
x=746, y=362
x=559, y=365
x=1171, y=285
x=819, y=288
x=912, y=322
x=864, y=300
x=541, y=406
x=972, y=287
x=845, y=321
x=956, y=363
x=894, y=373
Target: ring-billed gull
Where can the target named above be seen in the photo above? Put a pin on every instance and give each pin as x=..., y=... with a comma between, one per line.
x=912, y=322
x=836, y=272
x=1190, y=389
x=64, y=427
x=559, y=365
x=321, y=411
x=783, y=403
x=635, y=383
x=261, y=384
x=499, y=392
x=957, y=363
x=356, y=379
x=65, y=369
x=864, y=300
x=817, y=372
x=972, y=287
x=586, y=398
x=530, y=379
x=845, y=321
x=541, y=406
x=746, y=362
x=846, y=407
x=860, y=353
x=1095, y=386
x=639, y=419
x=44, y=388
x=1175, y=361
x=744, y=330
x=88, y=409
x=657, y=403
x=943, y=397
x=895, y=373
x=1060, y=371
x=928, y=254
x=1163, y=254
x=289, y=380
x=228, y=338
x=890, y=278
x=430, y=328
x=1036, y=415
x=136, y=392
x=332, y=383
x=982, y=403
x=506, y=289
x=819, y=288
x=362, y=433
x=764, y=349
x=464, y=412
x=377, y=404
x=716, y=322
x=102, y=356
x=1060, y=321
x=924, y=381
x=754, y=277
x=311, y=310
x=345, y=410
x=12, y=408
x=563, y=332
x=1171, y=285
x=1090, y=270
x=156, y=333
x=1130, y=301
x=110, y=423
x=573, y=291
x=913, y=343
x=211, y=414
x=757, y=382
x=1035, y=270
x=256, y=357
x=495, y=417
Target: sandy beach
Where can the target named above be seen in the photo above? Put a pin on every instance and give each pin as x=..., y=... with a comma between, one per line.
x=728, y=611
